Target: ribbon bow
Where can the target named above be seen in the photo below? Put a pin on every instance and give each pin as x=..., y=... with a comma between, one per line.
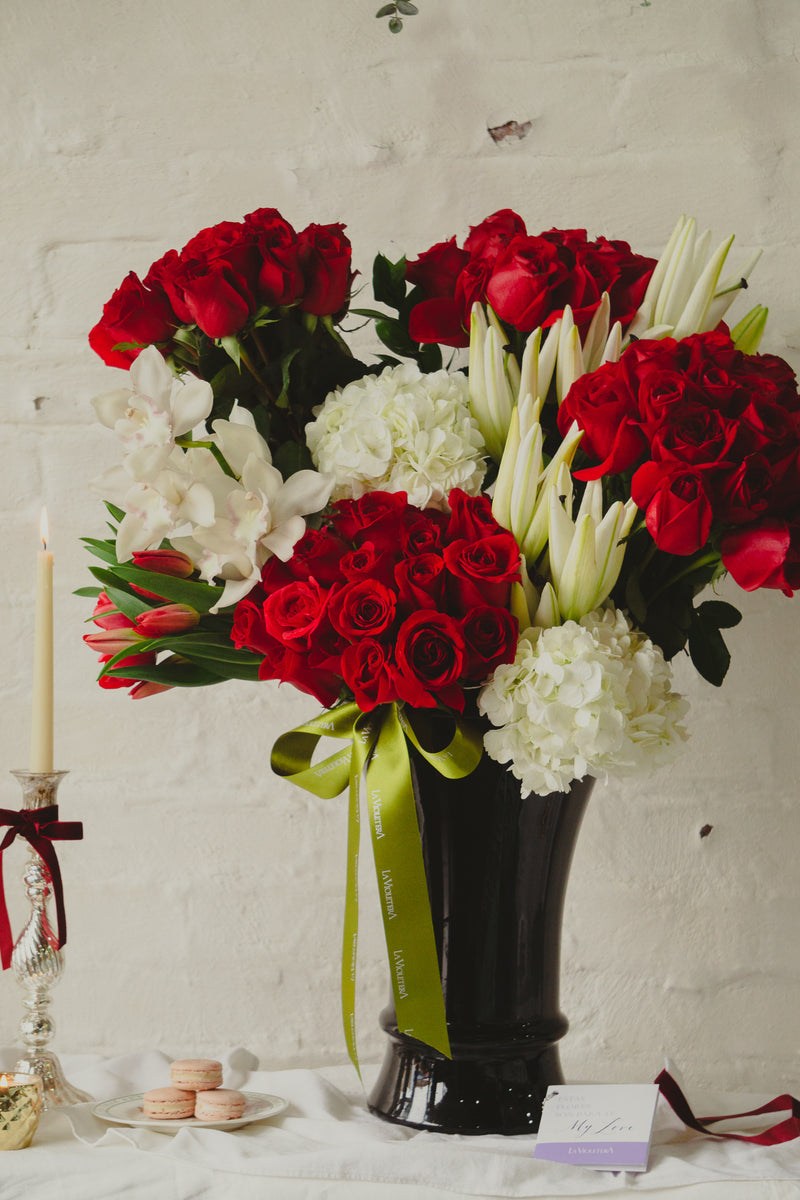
x=784, y=1131
x=39, y=827
x=378, y=753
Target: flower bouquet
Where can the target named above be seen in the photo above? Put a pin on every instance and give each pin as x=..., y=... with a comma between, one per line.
x=481, y=571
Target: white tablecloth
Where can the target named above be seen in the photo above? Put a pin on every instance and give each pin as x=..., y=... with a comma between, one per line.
x=327, y=1146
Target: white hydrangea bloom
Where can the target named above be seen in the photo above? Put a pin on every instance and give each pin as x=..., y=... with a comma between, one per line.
x=589, y=697
x=400, y=431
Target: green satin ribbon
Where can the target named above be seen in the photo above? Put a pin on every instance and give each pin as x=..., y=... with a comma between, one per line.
x=377, y=757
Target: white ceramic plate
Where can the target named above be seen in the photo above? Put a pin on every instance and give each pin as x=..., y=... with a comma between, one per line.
x=127, y=1110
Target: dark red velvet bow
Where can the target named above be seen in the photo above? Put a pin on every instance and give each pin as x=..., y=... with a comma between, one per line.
x=40, y=827
x=784, y=1131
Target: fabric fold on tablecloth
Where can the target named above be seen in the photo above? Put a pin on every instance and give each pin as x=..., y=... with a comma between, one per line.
x=327, y=1132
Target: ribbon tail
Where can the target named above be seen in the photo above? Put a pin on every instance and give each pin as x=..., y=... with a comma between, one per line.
x=6, y=939
x=403, y=890
x=47, y=853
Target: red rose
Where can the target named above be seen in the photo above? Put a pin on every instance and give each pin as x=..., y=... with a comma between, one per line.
x=215, y=277
x=288, y=666
x=695, y=434
x=324, y=255
x=763, y=555
x=135, y=313
x=482, y=571
x=377, y=517
x=424, y=535
x=420, y=581
x=430, y=653
x=522, y=280
x=470, y=517
x=280, y=280
x=745, y=492
x=363, y=609
x=678, y=516
x=438, y=320
x=317, y=554
x=366, y=563
x=490, y=635
x=492, y=235
x=623, y=274
x=436, y=270
x=607, y=411
x=369, y=673
x=292, y=614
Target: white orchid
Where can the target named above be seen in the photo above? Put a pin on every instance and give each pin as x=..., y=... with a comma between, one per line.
x=219, y=501
x=150, y=415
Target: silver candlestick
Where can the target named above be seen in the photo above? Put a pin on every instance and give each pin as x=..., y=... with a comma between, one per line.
x=36, y=961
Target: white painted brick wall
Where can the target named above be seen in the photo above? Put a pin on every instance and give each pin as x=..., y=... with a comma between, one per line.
x=205, y=902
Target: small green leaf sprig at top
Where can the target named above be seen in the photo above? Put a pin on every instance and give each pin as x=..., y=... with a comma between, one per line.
x=395, y=12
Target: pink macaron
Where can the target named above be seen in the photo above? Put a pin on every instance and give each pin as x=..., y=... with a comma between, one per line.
x=168, y=1104
x=196, y=1074
x=221, y=1104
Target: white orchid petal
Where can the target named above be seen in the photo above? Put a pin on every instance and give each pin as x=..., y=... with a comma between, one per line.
x=152, y=377
x=303, y=493
x=192, y=401
x=282, y=539
x=198, y=506
x=111, y=407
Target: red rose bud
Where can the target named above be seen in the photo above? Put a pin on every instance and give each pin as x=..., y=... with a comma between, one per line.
x=113, y=682
x=164, y=562
x=169, y=618
x=522, y=280
x=679, y=514
x=324, y=255
x=134, y=314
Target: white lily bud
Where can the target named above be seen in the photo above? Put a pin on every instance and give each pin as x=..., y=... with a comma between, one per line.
x=529, y=371
x=613, y=346
x=547, y=614
x=694, y=312
x=644, y=317
x=747, y=334
x=570, y=362
x=547, y=357
x=586, y=555
x=597, y=335
x=727, y=292
x=679, y=278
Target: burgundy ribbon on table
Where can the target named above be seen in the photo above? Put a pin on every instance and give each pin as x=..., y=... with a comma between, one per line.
x=784, y=1131
x=39, y=827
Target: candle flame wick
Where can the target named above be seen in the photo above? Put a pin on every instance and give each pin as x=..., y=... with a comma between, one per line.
x=44, y=529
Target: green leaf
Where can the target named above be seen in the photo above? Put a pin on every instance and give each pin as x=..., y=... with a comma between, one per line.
x=429, y=357
x=369, y=312
x=91, y=592
x=173, y=671
x=407, y=8
x=719, y=614
x=232, y=348
x=387, y=11
x=709, y=653
x=389, y=281
x=394, y=335
x=292, y=457
x=634, y=599
x=204, y=645
x=129, y=605
x=282, y=399
x=116, y=513
x=103, y=550
x=201, y=596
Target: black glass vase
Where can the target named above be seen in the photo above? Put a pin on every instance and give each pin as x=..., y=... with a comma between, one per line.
x=497, y=869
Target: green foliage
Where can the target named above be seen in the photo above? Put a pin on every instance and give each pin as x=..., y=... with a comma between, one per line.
x=390, y=287
x=393, y=11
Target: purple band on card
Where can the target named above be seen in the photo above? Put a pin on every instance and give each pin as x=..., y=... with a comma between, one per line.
x=594, y=1154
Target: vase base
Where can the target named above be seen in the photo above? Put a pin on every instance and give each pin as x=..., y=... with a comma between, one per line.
x=422, y=1089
